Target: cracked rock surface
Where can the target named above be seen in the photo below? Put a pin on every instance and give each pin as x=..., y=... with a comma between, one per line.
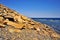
x=14, y=26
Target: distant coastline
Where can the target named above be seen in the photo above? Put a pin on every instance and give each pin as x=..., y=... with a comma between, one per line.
x=48, y=18
x=52, y=22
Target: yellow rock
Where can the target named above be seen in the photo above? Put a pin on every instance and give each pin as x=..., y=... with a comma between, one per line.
x=16, y=25
x=12, y=30
x=18, y=18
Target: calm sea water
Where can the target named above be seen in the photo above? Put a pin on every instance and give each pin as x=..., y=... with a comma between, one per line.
x=52, y=22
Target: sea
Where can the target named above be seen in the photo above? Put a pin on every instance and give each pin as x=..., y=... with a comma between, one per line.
x=52, y=22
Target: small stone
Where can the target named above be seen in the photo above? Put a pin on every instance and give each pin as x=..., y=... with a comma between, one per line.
x=35, y=39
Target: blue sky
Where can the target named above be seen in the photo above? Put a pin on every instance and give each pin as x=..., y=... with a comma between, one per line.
x=35, y=8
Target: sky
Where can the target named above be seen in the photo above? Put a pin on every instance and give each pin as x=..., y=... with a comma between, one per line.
x=35, y=8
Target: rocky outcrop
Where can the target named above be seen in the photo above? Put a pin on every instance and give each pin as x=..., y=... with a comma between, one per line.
x=14, y=26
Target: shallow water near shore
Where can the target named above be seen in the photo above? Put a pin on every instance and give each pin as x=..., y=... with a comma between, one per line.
x=53, y=22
